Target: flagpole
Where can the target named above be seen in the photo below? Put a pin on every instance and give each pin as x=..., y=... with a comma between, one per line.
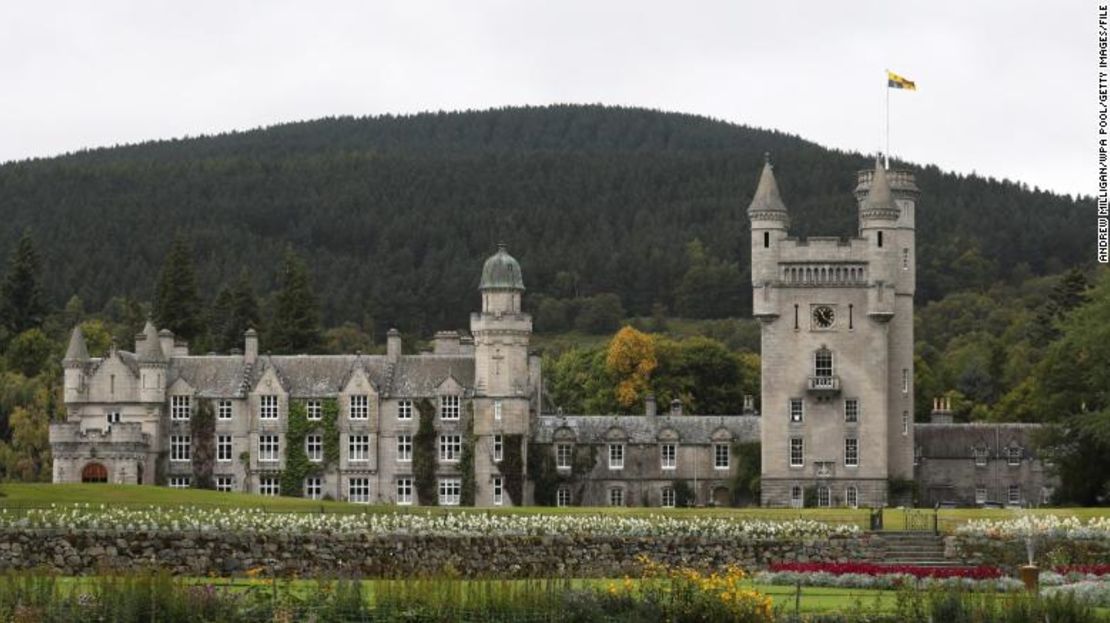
x=886, y=154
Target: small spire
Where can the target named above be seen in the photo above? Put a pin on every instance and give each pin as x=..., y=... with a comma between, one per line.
x=150, y=348
x=77, y=350
x=879, y=202
x=767, y=197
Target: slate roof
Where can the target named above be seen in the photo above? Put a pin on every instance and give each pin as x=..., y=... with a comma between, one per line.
x=420, y=375
x=767, y=199
x=645, y=428
x=77, y=350
x=957, y=441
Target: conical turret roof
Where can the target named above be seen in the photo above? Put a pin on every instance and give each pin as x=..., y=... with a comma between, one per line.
x=77, y=350
x=767, y=202
x=150, y=347
x=879, y=202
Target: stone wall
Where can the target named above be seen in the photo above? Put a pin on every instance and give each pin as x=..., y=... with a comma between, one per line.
x=981, y=550
x=225, y=554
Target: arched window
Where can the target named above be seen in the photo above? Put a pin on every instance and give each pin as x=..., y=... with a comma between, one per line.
x=796, y=496
x=823, y=363
x=851, y=496
x=823, y=497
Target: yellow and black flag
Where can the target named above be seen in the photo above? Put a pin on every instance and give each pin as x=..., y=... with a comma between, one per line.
x=894, y=81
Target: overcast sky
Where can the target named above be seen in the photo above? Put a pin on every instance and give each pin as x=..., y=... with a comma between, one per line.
x=1004, y=89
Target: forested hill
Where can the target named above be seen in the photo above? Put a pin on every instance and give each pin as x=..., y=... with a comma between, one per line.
x=395, y=214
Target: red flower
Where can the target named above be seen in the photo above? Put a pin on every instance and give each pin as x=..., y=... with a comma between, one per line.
x=1097, y=569
x=865, y=568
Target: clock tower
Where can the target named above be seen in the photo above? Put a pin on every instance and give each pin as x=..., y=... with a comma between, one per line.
x=836, y=317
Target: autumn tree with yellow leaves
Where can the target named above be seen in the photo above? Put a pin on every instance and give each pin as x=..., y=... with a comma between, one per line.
x=630, y=359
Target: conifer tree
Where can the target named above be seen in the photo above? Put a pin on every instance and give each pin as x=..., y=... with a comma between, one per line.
x=296, y=322
x=21, y=293
x=177, y=304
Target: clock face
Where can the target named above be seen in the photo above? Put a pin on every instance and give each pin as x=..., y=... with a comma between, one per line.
x=823, y=316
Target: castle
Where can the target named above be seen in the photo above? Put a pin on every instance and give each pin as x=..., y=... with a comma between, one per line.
x=456, y=425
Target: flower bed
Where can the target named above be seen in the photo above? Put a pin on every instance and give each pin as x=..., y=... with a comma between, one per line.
x=1050, y=526
x=1095, y=569
x=981, y=572
x=102, y=517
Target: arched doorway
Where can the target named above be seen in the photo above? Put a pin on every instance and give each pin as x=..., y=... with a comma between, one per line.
x=94, y=472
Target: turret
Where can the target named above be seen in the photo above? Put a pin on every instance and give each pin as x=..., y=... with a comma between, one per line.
x=893, y=213
x=152, y=365
x=769, y=220
x=878, y=220
x=501, y=331
x=77, y=355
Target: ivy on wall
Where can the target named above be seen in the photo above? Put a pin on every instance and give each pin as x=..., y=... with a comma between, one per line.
x=512, y=467
x=202, y=427
x=424, y=454
x=546, y=478
x=298, y=427
x=469, y=487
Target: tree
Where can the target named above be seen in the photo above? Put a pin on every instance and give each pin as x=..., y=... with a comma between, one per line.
x=630, y=359
x=233, y=312
x=21, y=293
x=177, y=304
x=29, y=352
x=26, y=457
x=599, y=314
x=710, y=288
x=296, y=322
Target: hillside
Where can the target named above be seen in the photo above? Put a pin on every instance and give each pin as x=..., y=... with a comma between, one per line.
x=394, y=214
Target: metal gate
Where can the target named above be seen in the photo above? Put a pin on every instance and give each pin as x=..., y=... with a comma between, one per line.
x=920, y=520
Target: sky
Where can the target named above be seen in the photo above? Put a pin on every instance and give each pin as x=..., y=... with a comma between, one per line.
x=1006, y=90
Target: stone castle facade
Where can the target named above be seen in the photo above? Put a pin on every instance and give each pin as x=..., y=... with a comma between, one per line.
x=837, y=402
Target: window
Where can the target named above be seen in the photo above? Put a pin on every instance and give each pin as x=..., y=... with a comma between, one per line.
x=358, y=490
x=851, y=452
x=668, y=456
x=498, y=448
x=616, y=496
x=797, y=410
x=905, y=422
x=225, y=483
x=797, y=452
x=1013, y=496
x=668, y=497
x=223, y=410
x=917, y=455
x=450, y=491
x=851, y=410
x=823, y=497
x=720, y=456
x=1013, y=456
x=498, y=491
x=497, y=410
x=314, y=447
x=113, y=417
x=1046, y=495
x=616, y=456
x=564, y=454
x=314, y=410
x=358, y=448
x=180, y=447
x=562, y=497
x=269, y=449
x=404, y=491
x=404, y=409
x=269, y=485
x=180, y=482
x=880, y=240
x=404, y=448
x=797, y=499
x=851, y=496
x=980, y=495
x=181, y=407
x=223, y=448
x=905, y=380
x=449, y=407
x=980, y=455
x=360, y=407
x=268, y=407
x=313, y=488
x=905, y=259
x=450, y=448
x=766, y=239
x=823, y=363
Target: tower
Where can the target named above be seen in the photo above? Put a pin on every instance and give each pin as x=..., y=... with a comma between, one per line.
x=501, y=378
x=836, y=321
x=152, y=365
x=77, y=355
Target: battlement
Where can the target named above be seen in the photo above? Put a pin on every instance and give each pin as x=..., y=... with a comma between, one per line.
x=901, y=182
x=70, y=432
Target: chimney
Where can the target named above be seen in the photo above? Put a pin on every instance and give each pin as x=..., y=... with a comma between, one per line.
x=250, y=346
x=446, y=343
x=676, y=407
x=650, y=408
x=749, y=404
x=165, y=337
x=942, y=410
x=393, y=345
x=180, y=348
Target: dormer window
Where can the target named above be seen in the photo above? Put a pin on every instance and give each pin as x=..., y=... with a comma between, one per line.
x=980, y=454
x=449, y=407
x=1013, y=455
x=180, y=407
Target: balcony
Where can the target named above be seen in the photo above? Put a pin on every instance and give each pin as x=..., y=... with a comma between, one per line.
x=824, y=385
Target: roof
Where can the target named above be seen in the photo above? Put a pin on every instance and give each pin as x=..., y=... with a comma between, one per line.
x=957, y=441
x=501, y=271
x=879, y=202
x=149, y=349
x=767, y=202
x=421, y=375
x=646, y=429
x=77, y=350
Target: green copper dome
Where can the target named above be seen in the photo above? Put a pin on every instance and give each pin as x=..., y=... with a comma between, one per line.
x=501, y=271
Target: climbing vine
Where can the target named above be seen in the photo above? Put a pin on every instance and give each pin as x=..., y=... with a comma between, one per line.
x=512, y=468
x=424, y=454
x=466, y=461
x=202, y=427
x=546, y=478
x=297, y=465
